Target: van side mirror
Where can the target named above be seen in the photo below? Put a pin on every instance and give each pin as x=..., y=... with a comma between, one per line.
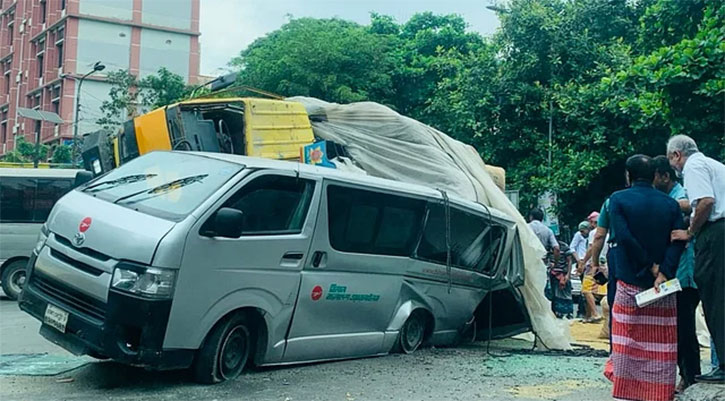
x=228, y=223
x=81, y=178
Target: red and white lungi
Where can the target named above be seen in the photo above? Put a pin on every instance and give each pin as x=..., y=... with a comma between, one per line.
x=644, y=346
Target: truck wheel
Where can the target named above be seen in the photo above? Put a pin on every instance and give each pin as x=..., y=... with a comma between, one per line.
x=225, y=351
x=412, y=333
x=13, y=278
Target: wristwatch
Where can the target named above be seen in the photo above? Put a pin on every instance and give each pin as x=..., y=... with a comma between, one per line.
x=689, y=232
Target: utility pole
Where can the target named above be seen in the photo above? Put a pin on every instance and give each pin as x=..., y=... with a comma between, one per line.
x=96, y=67
x=551, y=124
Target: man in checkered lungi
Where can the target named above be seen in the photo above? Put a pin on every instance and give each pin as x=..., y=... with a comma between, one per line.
x=644, y=339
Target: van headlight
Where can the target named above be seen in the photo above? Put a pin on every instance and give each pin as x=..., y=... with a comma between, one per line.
x=42, y=237
x=150, y=282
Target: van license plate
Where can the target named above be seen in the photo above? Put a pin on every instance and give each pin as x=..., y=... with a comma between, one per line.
x=56, y=318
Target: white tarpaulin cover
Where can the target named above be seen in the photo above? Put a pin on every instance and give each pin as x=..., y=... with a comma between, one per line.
x=388, y=145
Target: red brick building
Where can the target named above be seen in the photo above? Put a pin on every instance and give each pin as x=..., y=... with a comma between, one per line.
x=46, y=45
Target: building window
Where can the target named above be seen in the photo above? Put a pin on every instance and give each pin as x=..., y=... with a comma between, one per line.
x=43, y=9
x=40, y=66
x=34, y=101
x=7, y=70
x=59, y=52
x=11, y=24
x=55, y=99
x=59, y=40
x=40, y=46
x=62, y=4
x=4, y=125
x=38, y=127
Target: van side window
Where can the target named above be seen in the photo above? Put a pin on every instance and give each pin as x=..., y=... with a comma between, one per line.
x=474, y=243
x=30, y=200
x=273, y=204
x=17, y=196
x=362, y=221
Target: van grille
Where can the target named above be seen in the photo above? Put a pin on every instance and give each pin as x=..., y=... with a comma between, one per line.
x=86, y=251
x=67, y=297
x=75, y=263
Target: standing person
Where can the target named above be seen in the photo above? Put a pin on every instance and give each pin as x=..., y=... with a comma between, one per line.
x=644, y=339
x=560, y=281
x=578, y=247
x=688, y=349
x=704, y=183
x=578, y=244
x=544, y=233
x=590, y=289
x=604, y=235
x=593, y=220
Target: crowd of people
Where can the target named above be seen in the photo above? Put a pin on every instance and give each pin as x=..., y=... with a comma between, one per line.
x=654, y=231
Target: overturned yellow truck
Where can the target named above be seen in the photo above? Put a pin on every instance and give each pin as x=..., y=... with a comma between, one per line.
x=268, y=128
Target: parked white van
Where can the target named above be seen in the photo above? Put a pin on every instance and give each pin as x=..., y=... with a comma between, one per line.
x=215, y=261
x=26, y=197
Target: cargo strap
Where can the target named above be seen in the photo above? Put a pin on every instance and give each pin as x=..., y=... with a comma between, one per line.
x=447, y=206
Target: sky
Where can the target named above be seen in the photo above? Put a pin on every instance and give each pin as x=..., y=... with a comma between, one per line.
x=228, y=26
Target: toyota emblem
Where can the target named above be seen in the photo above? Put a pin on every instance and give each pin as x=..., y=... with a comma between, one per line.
x=79, y=239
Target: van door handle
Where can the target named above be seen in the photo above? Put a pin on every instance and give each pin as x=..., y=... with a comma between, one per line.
x=293, y=255
x=317, y=258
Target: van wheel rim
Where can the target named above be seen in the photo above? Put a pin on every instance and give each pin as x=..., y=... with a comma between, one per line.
x=413, y=335
x=234, y=352
x=17, y=281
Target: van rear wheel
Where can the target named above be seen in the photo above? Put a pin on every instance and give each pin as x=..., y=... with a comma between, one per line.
x=13, y=278
x=412, y=333
x=225, y=352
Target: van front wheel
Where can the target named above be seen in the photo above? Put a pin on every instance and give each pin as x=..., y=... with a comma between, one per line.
x=225, y=351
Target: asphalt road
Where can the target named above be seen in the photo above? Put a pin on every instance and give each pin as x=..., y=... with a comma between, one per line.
x=509, y=372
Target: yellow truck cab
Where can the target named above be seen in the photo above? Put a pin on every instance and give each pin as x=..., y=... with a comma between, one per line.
x=269, y=128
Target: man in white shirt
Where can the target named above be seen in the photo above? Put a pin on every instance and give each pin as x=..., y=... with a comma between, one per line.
x=544, y=233
x=705, y=185
x=579, y=242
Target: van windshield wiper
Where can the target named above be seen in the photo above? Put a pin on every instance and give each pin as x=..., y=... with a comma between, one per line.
x=118, y=182
x=164, y=188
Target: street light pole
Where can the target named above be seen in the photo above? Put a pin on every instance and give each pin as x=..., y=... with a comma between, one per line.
x=96, y=67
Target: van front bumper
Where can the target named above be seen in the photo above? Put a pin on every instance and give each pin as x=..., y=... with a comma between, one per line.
x=127, y=329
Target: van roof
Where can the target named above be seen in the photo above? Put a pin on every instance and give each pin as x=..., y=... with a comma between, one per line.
x=38, y=172
x=400, y=186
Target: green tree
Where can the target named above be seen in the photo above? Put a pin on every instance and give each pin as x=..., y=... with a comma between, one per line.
x=162, y=88
x=26, y=152
x=129, y=96
x=123, y=99
x=331, y=59
x=62, y=154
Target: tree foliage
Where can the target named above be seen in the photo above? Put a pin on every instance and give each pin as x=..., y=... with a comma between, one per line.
x=62, y=154
x=26, y=152
x=616, y=77
x=130, y=96
x=332, y=59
